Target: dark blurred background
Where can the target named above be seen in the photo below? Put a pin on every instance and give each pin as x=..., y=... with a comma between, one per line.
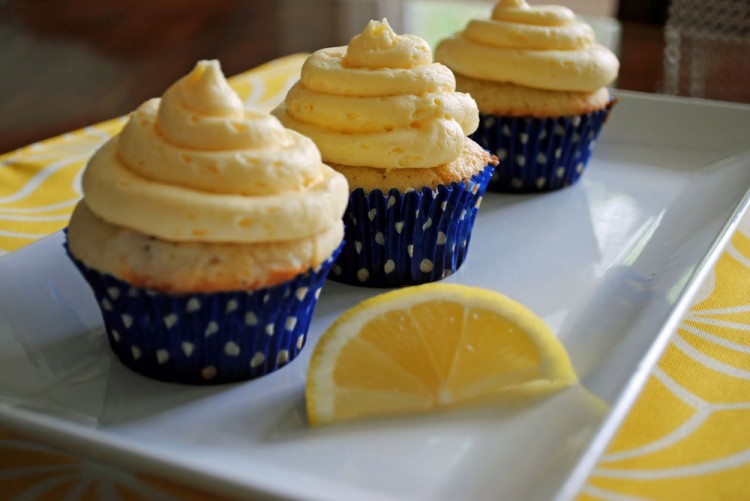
x=65, y=64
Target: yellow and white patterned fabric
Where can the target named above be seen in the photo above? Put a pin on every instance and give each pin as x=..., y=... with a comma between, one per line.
x=687, y=438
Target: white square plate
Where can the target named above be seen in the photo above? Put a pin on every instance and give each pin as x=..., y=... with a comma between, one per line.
x=610, y=264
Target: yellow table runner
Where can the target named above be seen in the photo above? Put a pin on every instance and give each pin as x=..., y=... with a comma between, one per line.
x=687, y=438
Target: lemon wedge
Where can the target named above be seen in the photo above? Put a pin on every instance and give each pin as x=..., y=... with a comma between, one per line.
x=430, y=347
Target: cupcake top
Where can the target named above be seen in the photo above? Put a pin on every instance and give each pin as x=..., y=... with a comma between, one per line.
x=380, y=102
x=194, y=166
x=542, y=47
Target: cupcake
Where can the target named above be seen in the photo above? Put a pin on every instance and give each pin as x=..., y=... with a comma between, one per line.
x=205, y=232
x=388, y=118
x=540, y=81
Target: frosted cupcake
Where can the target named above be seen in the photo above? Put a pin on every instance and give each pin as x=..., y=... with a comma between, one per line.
x=206, y=232
x=540, y=81
x=388, y=118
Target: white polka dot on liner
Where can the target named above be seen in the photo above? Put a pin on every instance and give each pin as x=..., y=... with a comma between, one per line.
x=282, y=357
x=193, y=304
x=363, y=274
x=127, y=320
x=187, y=348
x=170, y=320
x=257, y=359
x=208, y=373
x=251, y=318
x=426, y=266
x=232, y=349
x=291, y=323
x=231, y=306
x=162, y=357
x=211, y=329
x=389, y=266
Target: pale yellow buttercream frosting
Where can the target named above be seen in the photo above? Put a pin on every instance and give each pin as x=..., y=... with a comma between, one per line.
x=543, y=47
x=195, y=166
x=380, y=102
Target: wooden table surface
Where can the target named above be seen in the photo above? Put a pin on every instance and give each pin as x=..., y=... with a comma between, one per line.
x=71, y=63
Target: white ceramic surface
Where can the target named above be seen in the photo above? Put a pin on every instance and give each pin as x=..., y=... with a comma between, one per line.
x=610, y=264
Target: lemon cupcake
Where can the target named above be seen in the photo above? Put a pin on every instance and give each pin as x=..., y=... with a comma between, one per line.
x=205, y=232
x=388, y=118
x=540, y=81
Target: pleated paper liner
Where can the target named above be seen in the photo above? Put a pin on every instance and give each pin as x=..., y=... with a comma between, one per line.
x=539, y=154
x=207, y=338
x=399, y=239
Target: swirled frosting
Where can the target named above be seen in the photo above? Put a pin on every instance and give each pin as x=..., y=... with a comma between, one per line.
x=380, y=102
x=543, y=47
x=193, y=165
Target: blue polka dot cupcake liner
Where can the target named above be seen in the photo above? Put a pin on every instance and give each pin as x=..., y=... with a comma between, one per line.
x=539, y=154
x=399, y=239
x=207, y=338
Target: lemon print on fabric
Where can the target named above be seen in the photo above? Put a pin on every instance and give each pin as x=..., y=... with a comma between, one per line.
x=430, y=347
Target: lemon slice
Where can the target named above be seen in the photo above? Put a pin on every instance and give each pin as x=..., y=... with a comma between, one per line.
x=430, y=347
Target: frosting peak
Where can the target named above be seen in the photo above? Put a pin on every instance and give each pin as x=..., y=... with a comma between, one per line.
x=193, y=165
x=205, y=90
x=378, y=46
x=380, y=102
